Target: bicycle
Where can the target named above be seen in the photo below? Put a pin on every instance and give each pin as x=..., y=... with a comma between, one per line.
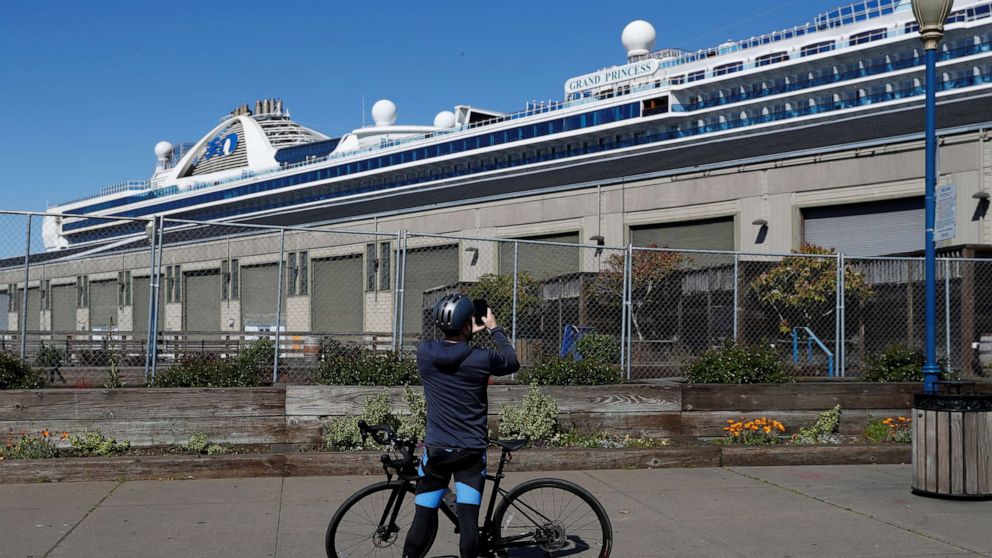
x=541, y=517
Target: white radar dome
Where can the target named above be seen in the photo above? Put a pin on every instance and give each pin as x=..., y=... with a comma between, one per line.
x=444, y=119
x=638, y=38
x=163, y=150
x=384, y=112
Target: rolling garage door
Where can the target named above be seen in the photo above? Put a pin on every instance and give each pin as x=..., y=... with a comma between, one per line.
x=336, y=304
x=4, y=307
x=140, y=306
x=201, y=302
x=64, y=308
x=542, y=262
x=34, y=309
x=867, y=229
x=103, y=304
x=704, y=234
x=426, y=269
x=258, y=297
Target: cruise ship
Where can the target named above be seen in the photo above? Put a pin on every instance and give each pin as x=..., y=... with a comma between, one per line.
x=851, y=74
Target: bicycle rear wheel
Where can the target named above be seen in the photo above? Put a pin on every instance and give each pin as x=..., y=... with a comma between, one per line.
x=362, y=526
x=546, y=518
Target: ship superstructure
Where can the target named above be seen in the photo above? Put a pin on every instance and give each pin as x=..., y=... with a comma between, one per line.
x=259, y=165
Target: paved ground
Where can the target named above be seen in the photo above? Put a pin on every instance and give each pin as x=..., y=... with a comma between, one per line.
x=761, y=512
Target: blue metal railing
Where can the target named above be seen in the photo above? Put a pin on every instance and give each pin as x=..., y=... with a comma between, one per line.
x=810, y=339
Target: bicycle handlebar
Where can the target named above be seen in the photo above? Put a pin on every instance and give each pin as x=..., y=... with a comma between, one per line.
x=386, y=436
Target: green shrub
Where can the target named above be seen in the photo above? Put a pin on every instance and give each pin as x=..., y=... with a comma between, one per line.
x=15, y=374
x=414, y=424
x=876, y=431
x=566, y=371
x=498, y=292
x=49, y=357
x=28, y=446
x=343, y=433
x=95, y=444
x=897, y=363
x=199, y=444
x=536, y=419
x=249, y=368
x=599, y=347
x=737, y=364
x=359, y=366
x=823, y=430
x=606, y=440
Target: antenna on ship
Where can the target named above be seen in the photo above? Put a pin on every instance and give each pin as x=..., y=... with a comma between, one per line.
x=638, y=38
x=363, y=110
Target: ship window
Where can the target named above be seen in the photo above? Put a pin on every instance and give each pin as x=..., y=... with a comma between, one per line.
x=773, y=58
x=677, y=80
x=696, y=76
x=868, y=36
x=658, y=105
x=817, y=48
x=728, y=68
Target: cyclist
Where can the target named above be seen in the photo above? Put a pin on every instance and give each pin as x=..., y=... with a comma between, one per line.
x=455, y=375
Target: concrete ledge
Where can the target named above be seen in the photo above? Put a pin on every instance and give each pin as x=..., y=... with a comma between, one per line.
x=367, y=463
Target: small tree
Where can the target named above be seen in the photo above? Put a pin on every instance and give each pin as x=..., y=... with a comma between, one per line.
x=651, y=269
x=800, y=287
x=498, y=292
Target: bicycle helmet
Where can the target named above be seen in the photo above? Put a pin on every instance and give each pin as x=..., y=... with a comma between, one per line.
x=452, y=312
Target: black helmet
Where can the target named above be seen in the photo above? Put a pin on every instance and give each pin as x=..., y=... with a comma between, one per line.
x=452, y=312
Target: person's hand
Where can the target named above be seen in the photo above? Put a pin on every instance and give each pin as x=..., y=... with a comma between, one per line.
x=489, y=322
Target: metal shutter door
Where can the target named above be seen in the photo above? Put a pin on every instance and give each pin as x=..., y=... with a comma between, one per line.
x=336, y=301
x=708, y=234
x=64, y=308
x=867, y=229
x=103, y=304
x=542, y=262
x=426, y=269
x=201, y=302
x=34, y=309
x=258, y=303
x=140, y=305
x=4, y=306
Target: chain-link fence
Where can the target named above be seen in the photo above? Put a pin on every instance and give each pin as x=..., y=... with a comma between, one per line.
x=81, y=296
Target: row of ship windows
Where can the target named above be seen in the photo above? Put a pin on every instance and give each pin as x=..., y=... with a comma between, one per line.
x=833, y=73
x=969, y=14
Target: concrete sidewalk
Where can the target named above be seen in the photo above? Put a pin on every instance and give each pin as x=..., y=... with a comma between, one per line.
x=758, y=512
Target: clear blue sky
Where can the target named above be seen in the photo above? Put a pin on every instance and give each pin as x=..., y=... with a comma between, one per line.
x=88, y=88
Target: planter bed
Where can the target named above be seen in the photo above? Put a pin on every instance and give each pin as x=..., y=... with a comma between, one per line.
x=319, y=463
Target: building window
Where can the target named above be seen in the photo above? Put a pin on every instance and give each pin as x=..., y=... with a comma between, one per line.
x=225, y=279
x=294, y=273
x=173, y=284
x=46, y=295
x=235, y=279
x=371, y=267
x=304, y=273
x=82, y=291
x=124, y=288
x=385, y=256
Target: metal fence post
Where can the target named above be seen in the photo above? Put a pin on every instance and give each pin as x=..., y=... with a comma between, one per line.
x=24, y=300
x=279, y=284
x=401, y=269
x=627, y=346
x=839, y=331
x=396, y=293
x=153, y=330
x=152, y=298
x=737, y=262
x=947, y=310
x=513, y=312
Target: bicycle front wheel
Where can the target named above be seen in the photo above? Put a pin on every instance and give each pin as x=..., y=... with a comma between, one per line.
x=364, y=525
x=552, y=517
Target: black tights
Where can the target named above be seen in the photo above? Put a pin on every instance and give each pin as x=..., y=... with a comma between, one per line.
x=425, y=522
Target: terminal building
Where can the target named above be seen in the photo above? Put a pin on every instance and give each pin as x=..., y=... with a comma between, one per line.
x=809, y=135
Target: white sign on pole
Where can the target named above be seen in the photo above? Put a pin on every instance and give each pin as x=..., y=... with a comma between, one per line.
x=945, y=224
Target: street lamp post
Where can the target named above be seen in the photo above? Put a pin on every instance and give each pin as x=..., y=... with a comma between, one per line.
x=931, y=15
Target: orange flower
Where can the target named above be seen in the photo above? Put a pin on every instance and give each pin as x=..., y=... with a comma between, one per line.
x=44, y=433
x=65, y=435
x=767, y=429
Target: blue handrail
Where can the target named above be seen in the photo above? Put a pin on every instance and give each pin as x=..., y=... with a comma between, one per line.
x=810, y=339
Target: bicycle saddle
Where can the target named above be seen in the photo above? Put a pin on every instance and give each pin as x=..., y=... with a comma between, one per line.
x=509, y=445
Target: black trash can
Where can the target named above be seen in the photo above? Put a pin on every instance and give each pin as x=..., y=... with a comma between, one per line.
x=952, y=443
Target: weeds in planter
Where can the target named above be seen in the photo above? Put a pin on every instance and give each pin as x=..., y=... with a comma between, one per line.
x=603, y=439
x=892, y=429
x=95, y=444
x=30, y=446
x=15, y=374
x=823, y=431
x=755, y=432
x=51, y=358
x=199, y=444
x=343, y=434
x=536, y=419
x=354, y=365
